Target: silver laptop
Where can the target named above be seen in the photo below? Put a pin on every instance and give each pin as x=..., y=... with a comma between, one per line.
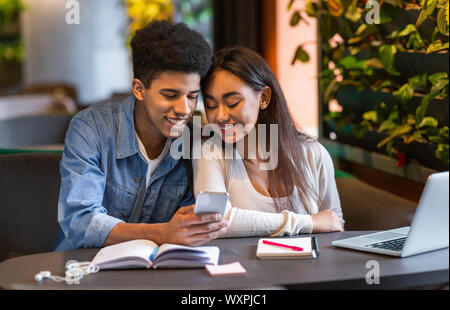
x=428, y=230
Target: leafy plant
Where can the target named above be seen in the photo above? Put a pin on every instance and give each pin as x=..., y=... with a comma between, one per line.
x=194, y=11
x=11, y=47
x=196, y=14
x=142, y=12
x=363, y=56
x=401, y=121
x=9, y=10
x=11, y=50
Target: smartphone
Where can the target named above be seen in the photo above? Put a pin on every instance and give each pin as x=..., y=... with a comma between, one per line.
x=211, y=202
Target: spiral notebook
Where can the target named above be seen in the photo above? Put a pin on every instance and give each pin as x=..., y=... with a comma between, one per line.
x=309, y=248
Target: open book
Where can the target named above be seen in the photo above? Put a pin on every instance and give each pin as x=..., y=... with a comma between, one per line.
x=146, y=254
x=304, y=247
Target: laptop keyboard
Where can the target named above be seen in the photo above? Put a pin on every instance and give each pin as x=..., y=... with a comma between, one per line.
x=393, y=245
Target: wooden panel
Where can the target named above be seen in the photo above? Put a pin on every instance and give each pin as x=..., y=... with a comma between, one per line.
x=269, y=33
x=397, y=185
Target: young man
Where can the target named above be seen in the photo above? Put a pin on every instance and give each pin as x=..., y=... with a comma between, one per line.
x=118, y=179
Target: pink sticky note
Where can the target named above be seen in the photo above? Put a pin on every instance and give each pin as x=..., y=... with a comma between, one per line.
x=226, y=270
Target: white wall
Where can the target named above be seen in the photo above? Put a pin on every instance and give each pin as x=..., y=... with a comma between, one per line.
x=299, y=82
x=91, y=55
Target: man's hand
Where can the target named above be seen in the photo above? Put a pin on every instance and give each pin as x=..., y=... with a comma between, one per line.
x=326, y=221
x=191, y=229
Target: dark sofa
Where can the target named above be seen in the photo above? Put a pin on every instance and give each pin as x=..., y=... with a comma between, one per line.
x=29, y=189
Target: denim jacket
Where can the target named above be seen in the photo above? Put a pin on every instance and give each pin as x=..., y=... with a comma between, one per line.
x=101, y=172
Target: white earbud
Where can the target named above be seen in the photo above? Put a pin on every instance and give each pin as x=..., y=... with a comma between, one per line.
x=42, y=275
x=75, y=271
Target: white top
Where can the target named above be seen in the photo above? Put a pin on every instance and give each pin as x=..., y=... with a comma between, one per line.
x=153, y=164
x=253, y=214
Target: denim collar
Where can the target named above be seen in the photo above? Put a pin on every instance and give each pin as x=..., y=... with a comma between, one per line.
x=127, y=144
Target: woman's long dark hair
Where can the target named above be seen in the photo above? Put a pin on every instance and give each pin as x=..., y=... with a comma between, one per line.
x=289, y=173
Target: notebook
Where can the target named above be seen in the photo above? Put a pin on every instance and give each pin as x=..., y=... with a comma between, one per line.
x=146, y=254
x=309, y=248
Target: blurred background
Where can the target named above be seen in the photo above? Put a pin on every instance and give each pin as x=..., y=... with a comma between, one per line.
x=44, y=49
x=368, y=78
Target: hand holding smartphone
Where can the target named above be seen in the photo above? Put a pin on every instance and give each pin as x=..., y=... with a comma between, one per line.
x=211, y=202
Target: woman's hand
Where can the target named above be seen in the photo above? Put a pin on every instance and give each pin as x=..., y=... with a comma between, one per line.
x=191, y=229
x=326, y=221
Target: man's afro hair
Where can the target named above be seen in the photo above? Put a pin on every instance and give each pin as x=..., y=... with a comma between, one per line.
x=162, y=46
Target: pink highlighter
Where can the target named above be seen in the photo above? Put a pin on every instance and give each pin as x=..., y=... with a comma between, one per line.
x=295, y=248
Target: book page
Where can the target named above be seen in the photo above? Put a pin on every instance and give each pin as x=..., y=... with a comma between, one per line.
x=135, y=250
x=167, y=247
x=172, y=255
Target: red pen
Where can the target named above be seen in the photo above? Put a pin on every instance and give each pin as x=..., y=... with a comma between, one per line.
x=295, y=248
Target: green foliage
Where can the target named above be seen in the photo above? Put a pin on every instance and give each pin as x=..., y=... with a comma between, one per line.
x=365, y=58
x=295, y=19
x=428, y=9
x=301, y=55
x=11, y=47
x=397, y=121
x=9, y=10
x=442, y=20
x=11, y=50
x=195, y=12
x=387, y=57
x=404, y=93
x=311, y=8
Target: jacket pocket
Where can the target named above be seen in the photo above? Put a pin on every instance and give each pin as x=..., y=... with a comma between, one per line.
x=118, y=201
x=168, y=201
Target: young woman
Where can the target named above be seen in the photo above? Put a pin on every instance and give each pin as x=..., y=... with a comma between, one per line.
x=296, y=195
